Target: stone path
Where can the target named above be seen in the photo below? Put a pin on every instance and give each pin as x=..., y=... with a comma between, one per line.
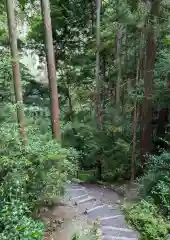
x=101, y=203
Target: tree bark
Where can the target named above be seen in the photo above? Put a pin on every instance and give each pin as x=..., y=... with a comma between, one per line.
x=146, y=138
x=136, y=108
x=16, y=67
x=118, y=64
x=134, y=126
x=98, y=80
x=45, y=8
x=98, y=85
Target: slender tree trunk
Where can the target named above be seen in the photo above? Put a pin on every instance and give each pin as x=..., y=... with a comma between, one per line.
x=140, y=58
x=98, y=84
x=118, y=58
x=141, y=73
x=70, y=112
x=15, y=66
x=103, y=94
x=136, y=109
x=146, y=139
x=45, y=8
x=134, y=127
x=118, y=64
x=124, y=60
x=92, y=13
x=129, y=80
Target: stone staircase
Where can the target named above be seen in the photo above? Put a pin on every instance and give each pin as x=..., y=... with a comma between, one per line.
x=101, y=204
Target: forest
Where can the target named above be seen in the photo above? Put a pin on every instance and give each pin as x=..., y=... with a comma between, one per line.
x=84, y=94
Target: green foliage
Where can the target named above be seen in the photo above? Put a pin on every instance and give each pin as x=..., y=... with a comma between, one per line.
x=16, y=225
x=43, y=166
x=155, y=182
x=29, y=174
x=112, y=144
x=89, y=233
x=87, y=176
x=144, y=217
x=6, y=78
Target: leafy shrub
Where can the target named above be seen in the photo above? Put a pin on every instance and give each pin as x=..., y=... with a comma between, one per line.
x=91, y=233
x=155, y=182
x=117, y=161
x=82, y=137
x=107, y=144
x=27, y=175
x=15, y=224
x=87, y=176
x=144, y=217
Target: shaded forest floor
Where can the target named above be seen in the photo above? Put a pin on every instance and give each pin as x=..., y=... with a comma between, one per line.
x=62, y=221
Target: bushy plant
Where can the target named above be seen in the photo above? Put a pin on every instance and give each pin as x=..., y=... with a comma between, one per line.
x=27, y=175
x=81, y=136
x=16, y=224
x=89, y=233
x=110, y=144
x=143, y=216
x=155, y=182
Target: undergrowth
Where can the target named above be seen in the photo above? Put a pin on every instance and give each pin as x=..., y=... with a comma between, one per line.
x=144, y=217
x=91, y=233
x=27, y=175
x=111, y=145
x=155, y=182
x=151, y=215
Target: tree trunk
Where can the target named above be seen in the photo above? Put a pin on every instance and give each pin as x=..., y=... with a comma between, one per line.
x=45, y=8
x=118, y=64
x=133, y=159
x=146, y=139
x=70, y=112
x=98, y=80
x=15, y=66
x=136, y=109
x=124, y=61
x=98, y=85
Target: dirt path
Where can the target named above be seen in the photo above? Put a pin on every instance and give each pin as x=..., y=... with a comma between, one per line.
x=84, y=205
x=63, y=221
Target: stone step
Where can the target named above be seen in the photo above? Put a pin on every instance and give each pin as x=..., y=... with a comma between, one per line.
x=76, y=189
x=75, y=193
x=118, y=232
x=117, y=238
x=74, y=185
x=111, y=218
x=88, y=205
x=112, y=221
x=84, y=200
x=115, y=221
x=103, y=212
x=79, y=197
x=103, y=192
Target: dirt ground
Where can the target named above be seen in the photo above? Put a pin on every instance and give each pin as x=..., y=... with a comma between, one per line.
x=62, y=221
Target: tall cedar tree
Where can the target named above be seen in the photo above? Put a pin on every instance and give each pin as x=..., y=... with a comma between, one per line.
x=98, y=82
x=15, y=66
x=146, y=128
x=45, y=8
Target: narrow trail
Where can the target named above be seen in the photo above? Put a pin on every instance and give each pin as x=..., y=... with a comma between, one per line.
x=96, y=202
